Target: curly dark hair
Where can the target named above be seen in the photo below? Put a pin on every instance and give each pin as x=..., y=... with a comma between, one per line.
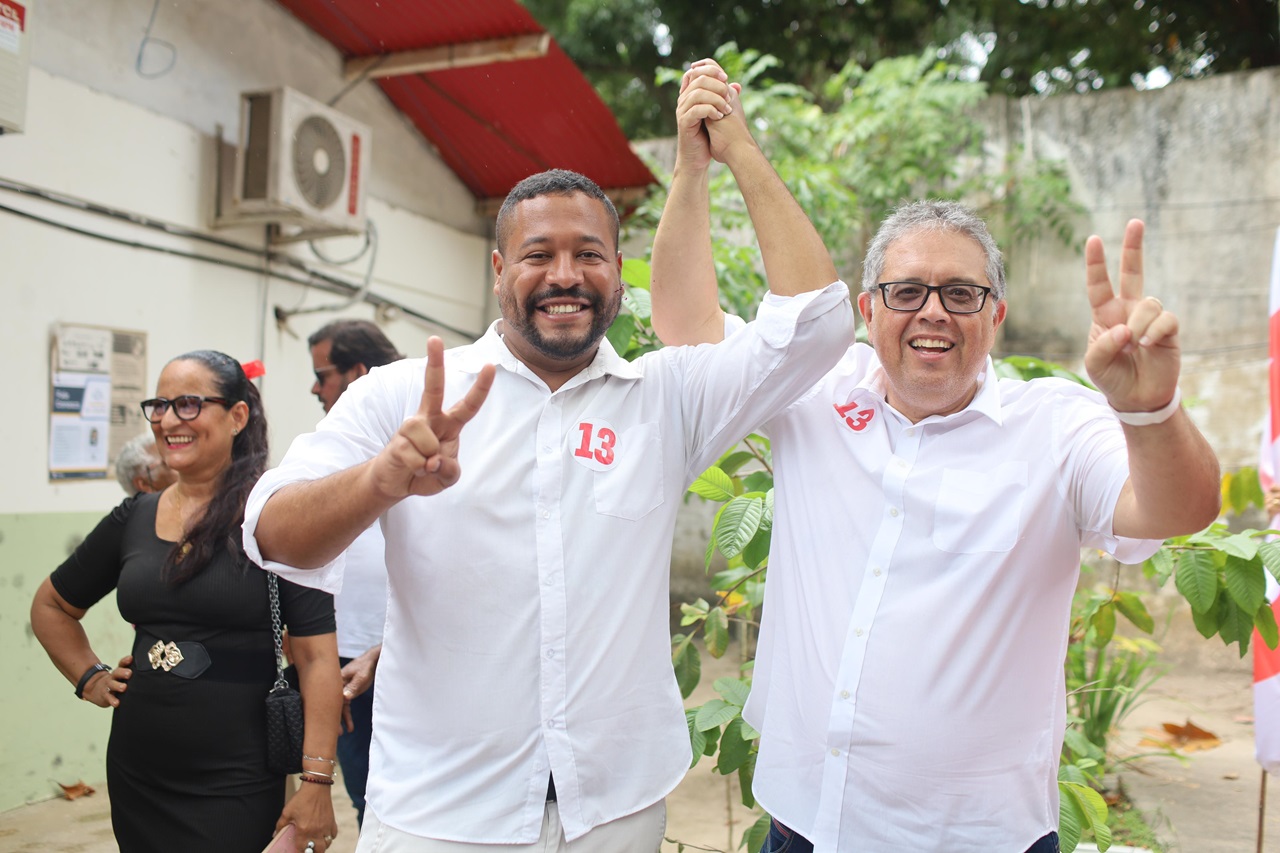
x=219, y=527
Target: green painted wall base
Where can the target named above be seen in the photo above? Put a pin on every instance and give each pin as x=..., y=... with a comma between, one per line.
x=47, y=736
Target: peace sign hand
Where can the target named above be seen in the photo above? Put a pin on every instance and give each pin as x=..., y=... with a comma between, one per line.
x=1133, y=354
x=422, y=457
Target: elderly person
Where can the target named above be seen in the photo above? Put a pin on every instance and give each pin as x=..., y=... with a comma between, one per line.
x=908, y=684
x=186, y=762
x=139, y=467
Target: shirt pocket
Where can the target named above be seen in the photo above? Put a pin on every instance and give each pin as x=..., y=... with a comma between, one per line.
x=979, y=511
x=631, y=487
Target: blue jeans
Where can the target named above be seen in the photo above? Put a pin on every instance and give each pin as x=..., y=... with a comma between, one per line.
x=353, y=748
x=783, y=840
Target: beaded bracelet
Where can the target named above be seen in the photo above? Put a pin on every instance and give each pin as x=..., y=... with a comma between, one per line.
x=307, y=777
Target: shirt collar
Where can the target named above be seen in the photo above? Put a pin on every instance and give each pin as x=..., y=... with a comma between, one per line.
x=985, y=402
x=491, y=349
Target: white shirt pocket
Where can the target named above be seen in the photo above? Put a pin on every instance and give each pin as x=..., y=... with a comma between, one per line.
x=979, y=511
x=631, y=487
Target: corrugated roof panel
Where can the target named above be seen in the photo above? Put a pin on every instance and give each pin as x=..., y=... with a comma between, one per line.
x=493, y=124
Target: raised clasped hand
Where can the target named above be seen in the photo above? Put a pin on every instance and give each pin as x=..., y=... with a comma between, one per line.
x=1133, y=354
x=422, y=457
x=706, y=99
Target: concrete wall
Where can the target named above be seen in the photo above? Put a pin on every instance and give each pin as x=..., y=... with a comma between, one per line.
x=98, y=131
x=1199, y=162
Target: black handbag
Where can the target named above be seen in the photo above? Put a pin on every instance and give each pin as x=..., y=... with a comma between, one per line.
x=284, y=704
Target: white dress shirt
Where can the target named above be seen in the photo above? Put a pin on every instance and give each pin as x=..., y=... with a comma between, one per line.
x=908, y=681
x=361, y=605
x=527, y=628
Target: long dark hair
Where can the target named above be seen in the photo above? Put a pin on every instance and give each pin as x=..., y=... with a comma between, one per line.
x=219, y=526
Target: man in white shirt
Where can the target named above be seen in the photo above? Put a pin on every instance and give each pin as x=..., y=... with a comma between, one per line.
x=525, y=698
x=341, y=352
x=908, y=683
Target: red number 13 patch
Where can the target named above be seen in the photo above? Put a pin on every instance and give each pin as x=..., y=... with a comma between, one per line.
x=857, y=421
x=597, y=444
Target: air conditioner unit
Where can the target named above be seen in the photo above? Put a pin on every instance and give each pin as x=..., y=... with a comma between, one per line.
x=300, y=164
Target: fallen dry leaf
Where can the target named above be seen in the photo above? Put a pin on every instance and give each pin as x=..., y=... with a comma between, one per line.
x=73, y=792
x=1185, y=738
x=1231, y=775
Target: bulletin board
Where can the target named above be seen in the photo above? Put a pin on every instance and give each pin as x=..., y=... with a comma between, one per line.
x=97, y=379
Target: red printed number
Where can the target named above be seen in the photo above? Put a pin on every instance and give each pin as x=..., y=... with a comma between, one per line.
x=859, y=420
x=605, y=440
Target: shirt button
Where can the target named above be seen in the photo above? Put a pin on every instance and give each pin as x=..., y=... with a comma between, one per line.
x=836, y=753
x=844, y=694
x=857, y=632
x=877, y=571
x=549, y=581
x=546, y=448
x=893, y=511
x=546, y=513
x=551, y=653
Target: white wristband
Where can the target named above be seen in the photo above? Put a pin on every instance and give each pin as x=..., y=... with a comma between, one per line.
x=1159, y=416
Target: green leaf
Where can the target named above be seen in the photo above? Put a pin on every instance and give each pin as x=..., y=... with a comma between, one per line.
x=1270, y=554
x=738, y=521
x=687, y=663
x=1135, y=611
x=758, y=481
x=733, y=690
x=636, y=272
x=620, y=333
x=715, y=713
x=733, y=749
x=1243, y=490
x=734, y=460
x=697, y=740
x=1245, y=582
x=1234, y=625
x=1071, y=818
x=1095, y=809
x=1159, y=566
x=1104, y=624
x=1197, y=579
x=1080, y=745
x=747, y=777
x=758, y=833
x=757, y=550
x=713, y=484
x=715, y=632
x=695, y=612
x=1265, y=621
x=639, y=303
x=1239, y=545
x=1206, y=623
x=713, y=741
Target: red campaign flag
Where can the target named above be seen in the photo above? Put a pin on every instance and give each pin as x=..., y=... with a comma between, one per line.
x=1266, y=662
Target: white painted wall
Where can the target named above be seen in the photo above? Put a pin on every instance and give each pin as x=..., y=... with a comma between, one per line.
x=88, y=136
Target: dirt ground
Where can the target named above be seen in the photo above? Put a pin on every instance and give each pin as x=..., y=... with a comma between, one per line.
x=1207, y=804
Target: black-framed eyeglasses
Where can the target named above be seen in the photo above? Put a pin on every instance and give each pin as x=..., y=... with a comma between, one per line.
x=321, y=371
x=912, y=295
x=187, y=407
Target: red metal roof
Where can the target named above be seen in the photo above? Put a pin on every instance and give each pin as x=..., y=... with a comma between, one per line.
x=492, y=124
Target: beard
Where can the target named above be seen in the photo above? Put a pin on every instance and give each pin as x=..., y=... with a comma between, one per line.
x=565, y=345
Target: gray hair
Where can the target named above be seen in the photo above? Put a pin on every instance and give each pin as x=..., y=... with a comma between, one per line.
x=133, y=460
x=933, y=215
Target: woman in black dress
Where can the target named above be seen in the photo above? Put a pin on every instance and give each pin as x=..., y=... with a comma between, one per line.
x=186, y=762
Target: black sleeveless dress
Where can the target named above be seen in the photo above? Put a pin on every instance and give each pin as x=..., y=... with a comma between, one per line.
x=186, y=762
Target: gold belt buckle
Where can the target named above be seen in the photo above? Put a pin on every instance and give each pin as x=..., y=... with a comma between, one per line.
x=164, y=656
